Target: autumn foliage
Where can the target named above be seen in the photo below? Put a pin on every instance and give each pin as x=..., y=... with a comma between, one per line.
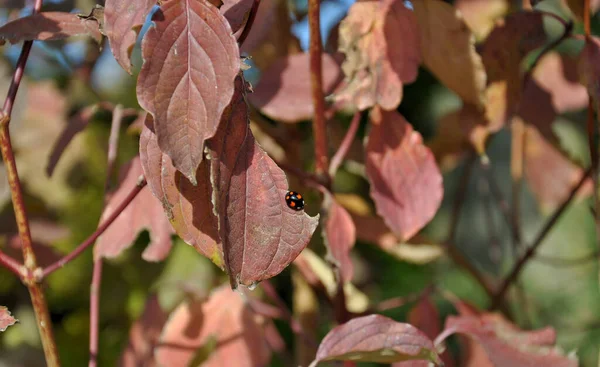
x=445, y=151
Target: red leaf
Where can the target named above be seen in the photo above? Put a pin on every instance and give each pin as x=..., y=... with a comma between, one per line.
x=550, y=175
x=236, y=12
x=49, y=26
x=6, y=319
x=376, y=338
x=144, y=335
x=340, y=236
x=239, y=333
x=507, y=346
x=406, y=183
x=240, y=195
x=284, y=92
x=261, y=235
x=381, y=43
x=190, y=62
x=122, y=23
x=144, y=212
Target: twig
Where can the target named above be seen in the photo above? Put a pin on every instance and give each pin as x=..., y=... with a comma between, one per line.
x=286, y=313
x=531, y=250
x=339, y=156
x=316, y=76
x=40, y=307
x=113, y=145
x=101, y=228
x=12, y=265
x=249, y=22
x=587, y=19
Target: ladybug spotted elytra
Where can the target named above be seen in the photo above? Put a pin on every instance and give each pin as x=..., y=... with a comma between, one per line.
x=294, y=200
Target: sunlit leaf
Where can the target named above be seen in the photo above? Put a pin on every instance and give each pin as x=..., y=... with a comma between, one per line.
x=49, y=26
x=122, y=23
x=481, y=15
x=225, y=318
x=448, y=49
x=376, y=338
x=6, y=319
x=145, y=212
x=190, y=62
x=381, y=44
x=284, y=92
x=406, y=183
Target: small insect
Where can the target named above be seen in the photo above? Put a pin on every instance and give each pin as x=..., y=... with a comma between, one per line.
x=294, y=200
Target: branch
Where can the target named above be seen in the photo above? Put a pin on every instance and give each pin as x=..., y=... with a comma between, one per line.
x=101, y=228
x=12, y=265
x=531, y=250
x=316, y=76
x=339, y=156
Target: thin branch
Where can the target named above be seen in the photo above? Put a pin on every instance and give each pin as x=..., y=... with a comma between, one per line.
x=531, y=250
x=12, y=265
x=101, y=228
x=249, y=22
x=587, y=19
x=113, y=145
x=339, y=156
x=316, y=76
x=287, y=314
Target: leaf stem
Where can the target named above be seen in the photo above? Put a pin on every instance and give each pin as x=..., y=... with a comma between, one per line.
x=101, y=228
x=531, y=250
x=249, y=22
x=339, y=156
x=316, y=77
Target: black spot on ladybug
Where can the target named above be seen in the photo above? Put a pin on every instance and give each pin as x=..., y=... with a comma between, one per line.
x=294, y=200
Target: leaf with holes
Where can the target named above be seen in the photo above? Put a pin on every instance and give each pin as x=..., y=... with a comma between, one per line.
x=122, y=23
x=222, y=331
x=284, y=92
x=406, y=183
x=6, y=319
x=340, y=235
x=381, y=44
x=190, y=62
x=448, y=49
x=49, y=26
x=376, y=338
x=144, y=212
x=508, y=346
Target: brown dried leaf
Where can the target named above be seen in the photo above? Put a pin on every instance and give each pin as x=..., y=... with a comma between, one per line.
x=6, y=319
x=49, y=26
x=190, y=62
x=381, y=44
x=448, y=49
x=144, y=212
x=481, y=15
x=122, y=23
x=340, y=235
x=144, y=335
x=550, y=175
x=502, y=54
x=376, y=338
x=284, y=92
x=225, y=321
x=406, y=183
x=508, y=346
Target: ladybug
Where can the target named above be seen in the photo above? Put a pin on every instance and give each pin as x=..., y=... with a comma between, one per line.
x=294, y=200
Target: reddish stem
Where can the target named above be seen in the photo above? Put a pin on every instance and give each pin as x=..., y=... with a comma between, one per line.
x=249, y=22
x=101, y=228
x=339, y=156
x=12, y=265
x=95, y=311
x=587, y=26
x=316, y=77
